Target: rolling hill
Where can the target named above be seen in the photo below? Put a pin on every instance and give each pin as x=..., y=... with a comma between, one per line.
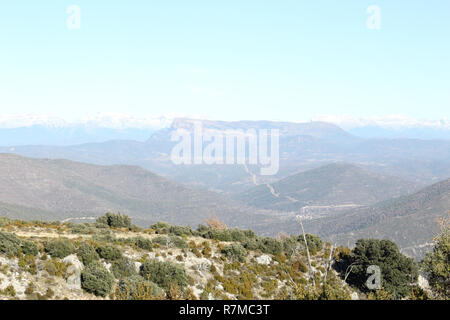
x=410, y=221
x=302, y=146
x=57, y=189
x=336, y=184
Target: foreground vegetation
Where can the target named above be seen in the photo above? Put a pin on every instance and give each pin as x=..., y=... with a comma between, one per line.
x=113, y=259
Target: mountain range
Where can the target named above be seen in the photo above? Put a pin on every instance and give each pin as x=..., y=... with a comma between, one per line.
x=344, y=186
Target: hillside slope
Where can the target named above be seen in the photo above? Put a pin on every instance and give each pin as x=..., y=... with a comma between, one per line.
x=336, y=184
x=410, y=221
x=56, y=189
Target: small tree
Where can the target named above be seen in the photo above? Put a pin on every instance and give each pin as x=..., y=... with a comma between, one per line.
x=87, y=253
x=137, y=288
x=235, y=251
x=123, y=267
x=96, y=279
x=437, y=263
x=164, y=274
x=59, y=248
x=394, y=266
x=9, y=244
x=115, y=220
x=109, y=253
x=30, y=248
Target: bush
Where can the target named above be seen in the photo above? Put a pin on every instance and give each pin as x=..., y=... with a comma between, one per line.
x=4, y=221
x=59, y=248
x=9, y=244
x=30, y=248
x=271, y=246
x=137, y=288
x=55, y=268
x=315, y=244
x=160, y=228
x=235, y=251
x=180, y=231
x=115, y=220
x=87, y=253
x=109, y=253
x=96, y=279
x=437, y=263
x=395, y=267
x=178, y=242
x=162, y=241
x=164, y=274
x=80, y=228
x=104, y=235
x=123, y=267
x=143, y=243
x=9, y=291
x=28, y=263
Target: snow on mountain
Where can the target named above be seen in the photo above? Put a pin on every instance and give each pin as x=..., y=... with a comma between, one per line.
x=391, y=122
x=392, y=127
x=100, y=120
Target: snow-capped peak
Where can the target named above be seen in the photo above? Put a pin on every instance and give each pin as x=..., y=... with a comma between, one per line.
x=391, y=122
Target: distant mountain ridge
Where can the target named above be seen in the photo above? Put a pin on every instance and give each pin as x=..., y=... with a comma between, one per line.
x=68, y=135
x=302, y=146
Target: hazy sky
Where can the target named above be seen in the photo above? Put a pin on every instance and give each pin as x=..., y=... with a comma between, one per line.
x=233, y=59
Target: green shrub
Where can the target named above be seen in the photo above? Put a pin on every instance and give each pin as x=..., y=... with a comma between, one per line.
x=104, y=235
x=178, y=242
x=160, y=228
x=9, y=291
x=9, y=244
x=30, y=248
x=437, y=263
x=77, y=228
x=4, y=221
x=172, y=241
x=59, y=248
x=180, y=231
x=96, y=279
x=87, y=253
x=143, y=243
x=55, y=267
x=271, y=246
x=289, y=246
x=395, y=267
x=235, y=251
x=251, y=244
x=109, y=253
x=123, y=267
x=28, y=263
x=164, y=274
x=137, y=288
x=315, y=244
x=115, y=220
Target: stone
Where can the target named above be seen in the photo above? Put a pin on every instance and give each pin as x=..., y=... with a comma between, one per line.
x=354, y=296
x=74, y=269
x=264, y=259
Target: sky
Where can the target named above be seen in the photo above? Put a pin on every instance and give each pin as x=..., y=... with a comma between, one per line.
x=286, y=60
